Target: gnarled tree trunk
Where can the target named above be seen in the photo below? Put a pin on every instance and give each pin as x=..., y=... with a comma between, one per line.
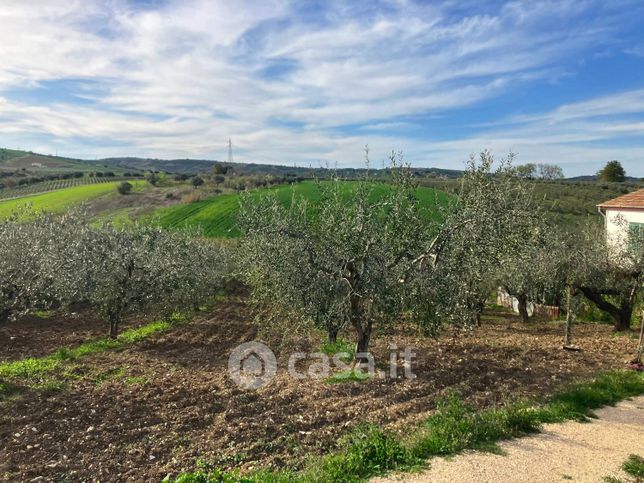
x=364, y=337
x=363, y=327
x=114, y=329
x=4, y=316
x=621, y=313
x=523, y=307
x=332, y=332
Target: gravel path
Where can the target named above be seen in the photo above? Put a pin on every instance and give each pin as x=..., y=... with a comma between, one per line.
x=570, y=451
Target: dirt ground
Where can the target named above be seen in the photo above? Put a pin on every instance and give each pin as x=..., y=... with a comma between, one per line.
x=572, y=451
x=155, y=408
x=135, y=204
x=36, y=336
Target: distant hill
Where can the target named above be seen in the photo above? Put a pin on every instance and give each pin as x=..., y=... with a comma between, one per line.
x=14, y=160
x=11, y=159
x=629, y=179
x=194, y=166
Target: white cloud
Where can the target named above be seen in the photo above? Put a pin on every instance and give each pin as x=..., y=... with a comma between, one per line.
x=180, y=79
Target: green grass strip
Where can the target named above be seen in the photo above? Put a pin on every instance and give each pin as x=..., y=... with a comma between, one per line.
x=634, y=466
x=35, y=368
x=369, y=451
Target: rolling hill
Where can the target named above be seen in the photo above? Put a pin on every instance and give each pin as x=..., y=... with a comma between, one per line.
x=216, y=216
x=60, y=200
x=11, y=159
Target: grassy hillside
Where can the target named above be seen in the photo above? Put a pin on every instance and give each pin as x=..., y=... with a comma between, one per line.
x=217, y=216
x=60, y=200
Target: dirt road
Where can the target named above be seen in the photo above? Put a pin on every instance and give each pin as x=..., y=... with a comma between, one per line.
x=582, y=452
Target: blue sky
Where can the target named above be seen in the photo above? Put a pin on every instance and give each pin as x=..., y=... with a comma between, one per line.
x=311, y=83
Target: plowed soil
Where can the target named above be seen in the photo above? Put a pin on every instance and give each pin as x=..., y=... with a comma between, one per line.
x=157, y=407
x=34, y=336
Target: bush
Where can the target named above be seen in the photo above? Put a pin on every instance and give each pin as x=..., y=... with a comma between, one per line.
x=152, y=178
x=124, y=188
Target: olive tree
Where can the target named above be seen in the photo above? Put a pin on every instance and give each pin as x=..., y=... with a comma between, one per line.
x=146, y=270
x=550, y=172
x=536, y=271
x=36, y=262
x=611, y=277
x=340, y=262
x=492, y=221
x=365, y=252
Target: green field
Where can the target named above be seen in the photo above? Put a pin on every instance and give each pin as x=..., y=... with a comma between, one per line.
x=60, y=200
x=217, y=216
x=54, y=185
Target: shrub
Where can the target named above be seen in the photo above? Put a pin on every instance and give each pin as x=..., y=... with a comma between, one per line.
x=124, y=188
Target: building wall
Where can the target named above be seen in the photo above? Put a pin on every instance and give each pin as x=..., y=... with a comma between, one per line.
x=617, y=225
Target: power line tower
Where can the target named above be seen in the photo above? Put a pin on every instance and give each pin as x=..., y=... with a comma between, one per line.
x=230, y=150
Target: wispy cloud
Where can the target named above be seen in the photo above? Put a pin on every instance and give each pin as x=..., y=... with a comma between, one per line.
x=295, y=82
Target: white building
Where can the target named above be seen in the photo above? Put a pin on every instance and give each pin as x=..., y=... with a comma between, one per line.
x=624, y=217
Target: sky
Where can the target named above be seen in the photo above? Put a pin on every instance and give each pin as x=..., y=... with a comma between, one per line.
x=312, y=82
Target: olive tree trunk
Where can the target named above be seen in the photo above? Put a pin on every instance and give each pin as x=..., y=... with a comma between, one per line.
x=523, y=307
x=620, y=312
x=114, y=329
x=640, y=345
x=332, y=332
x=4, y=316
x=362, y=326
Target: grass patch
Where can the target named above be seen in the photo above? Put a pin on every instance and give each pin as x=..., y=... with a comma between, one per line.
x=33, y=370
x=135, y=380
x=350, y=375
x=110, y=375
x=456, y=426
x=44, y=314
x=578, y=400
x=369, y=451
x=634, y=466
x=344, y=348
